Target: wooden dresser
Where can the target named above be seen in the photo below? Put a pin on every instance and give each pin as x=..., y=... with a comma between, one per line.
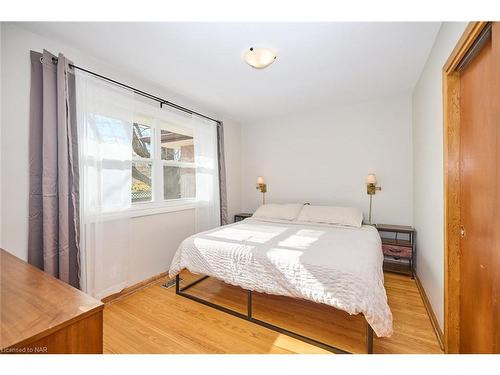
x=40, y=314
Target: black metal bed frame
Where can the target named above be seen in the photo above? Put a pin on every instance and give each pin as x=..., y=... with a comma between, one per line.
x=249, y=317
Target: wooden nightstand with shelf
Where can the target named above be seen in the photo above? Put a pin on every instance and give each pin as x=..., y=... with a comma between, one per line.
x=398, y=246
x=243, y=216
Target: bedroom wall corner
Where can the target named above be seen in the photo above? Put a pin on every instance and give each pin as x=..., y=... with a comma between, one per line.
x=428, y=170
x=232, y=145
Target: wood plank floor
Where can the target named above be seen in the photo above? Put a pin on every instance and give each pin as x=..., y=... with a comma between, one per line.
x=156, y=320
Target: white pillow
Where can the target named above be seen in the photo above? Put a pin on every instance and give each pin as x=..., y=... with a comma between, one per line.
x=278, y=211
x=348, y=216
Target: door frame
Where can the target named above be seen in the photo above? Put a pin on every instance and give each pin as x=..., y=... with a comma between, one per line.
x=452, y=185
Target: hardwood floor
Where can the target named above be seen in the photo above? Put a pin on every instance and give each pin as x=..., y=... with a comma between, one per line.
x=156, y=320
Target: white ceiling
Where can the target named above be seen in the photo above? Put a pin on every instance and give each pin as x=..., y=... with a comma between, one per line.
x=318, y=64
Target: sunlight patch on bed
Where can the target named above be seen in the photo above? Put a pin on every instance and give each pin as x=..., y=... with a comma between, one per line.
x=282, y=253
x=302, y=239
x=250, y=233
x=208, y=244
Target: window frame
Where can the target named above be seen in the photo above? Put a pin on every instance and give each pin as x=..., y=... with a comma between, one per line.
x=158, y=204
x=173, y=163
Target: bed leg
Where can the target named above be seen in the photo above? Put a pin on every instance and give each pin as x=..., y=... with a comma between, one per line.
x=177, y=283
x=369, y=339
x=249, y=303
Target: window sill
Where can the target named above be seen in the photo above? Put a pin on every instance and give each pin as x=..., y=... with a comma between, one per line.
x=147, y=209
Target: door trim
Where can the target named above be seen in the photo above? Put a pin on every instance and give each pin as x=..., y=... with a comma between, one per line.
x=452, y=183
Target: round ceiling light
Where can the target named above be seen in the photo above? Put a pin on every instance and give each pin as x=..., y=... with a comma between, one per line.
x=259, y=58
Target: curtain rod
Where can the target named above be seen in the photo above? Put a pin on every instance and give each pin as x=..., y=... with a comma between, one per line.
x=142, y=93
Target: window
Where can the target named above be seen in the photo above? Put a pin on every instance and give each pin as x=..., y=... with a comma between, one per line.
x=142, y=164
x=139, y=159
x=179, y=174
x=163, y=162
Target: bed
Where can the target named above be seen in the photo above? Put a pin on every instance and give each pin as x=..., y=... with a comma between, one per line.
x=336, y=265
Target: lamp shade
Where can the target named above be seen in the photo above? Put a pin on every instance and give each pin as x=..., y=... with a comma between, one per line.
x=260, y=180
x=259, y=58
x=371, y=178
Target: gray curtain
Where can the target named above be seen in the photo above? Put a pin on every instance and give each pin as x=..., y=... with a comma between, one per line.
x=54, y=180
x=222, y=174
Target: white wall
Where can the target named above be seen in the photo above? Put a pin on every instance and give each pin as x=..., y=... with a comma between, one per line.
x=323, y=157
x=1, y=27
x=157, y=236
x=428, y=167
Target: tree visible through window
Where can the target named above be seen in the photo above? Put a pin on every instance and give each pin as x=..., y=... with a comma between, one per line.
x=142, y=164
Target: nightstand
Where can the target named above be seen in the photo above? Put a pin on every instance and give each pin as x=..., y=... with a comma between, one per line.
x=239, y=217
x=398, y=246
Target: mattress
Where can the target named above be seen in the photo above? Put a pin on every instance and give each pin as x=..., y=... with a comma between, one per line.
x=334, y=265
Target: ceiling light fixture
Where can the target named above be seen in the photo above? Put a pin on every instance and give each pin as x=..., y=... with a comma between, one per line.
x=259, y=58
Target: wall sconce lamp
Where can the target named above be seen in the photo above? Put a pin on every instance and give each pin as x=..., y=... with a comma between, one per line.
x=262, y=186
x=371, y=189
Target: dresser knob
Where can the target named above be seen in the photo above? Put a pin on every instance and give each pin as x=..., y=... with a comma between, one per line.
x=462, y=231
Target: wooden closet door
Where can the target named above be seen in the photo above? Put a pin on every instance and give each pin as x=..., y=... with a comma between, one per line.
x=480, y=200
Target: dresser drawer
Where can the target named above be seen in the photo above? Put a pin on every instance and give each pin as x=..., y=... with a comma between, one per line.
x=396, y=251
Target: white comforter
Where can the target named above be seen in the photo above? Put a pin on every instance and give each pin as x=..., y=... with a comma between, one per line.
x=337, y=266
